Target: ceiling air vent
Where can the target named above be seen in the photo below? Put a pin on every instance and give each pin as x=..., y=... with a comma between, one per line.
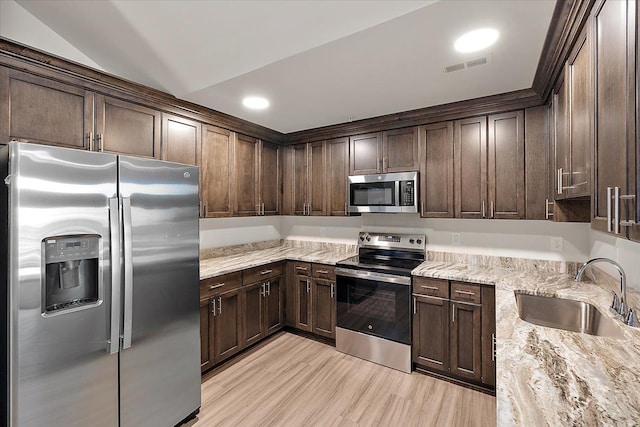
x=468, y=64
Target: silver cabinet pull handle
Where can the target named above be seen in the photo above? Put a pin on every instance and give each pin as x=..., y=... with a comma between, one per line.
x=378, y=164
x=308, y=286
x=493, y=347
x=559, y=189
x=414, y=305
x=301, y=268
x=213, y=307
x=345, y=210
x=219, y=305
x=333, y=292
x=609, y=195
x=434, y=288
x=547, y=212
x=262, y=290
x=100, y=142
x=492, y=209
x=465, y=293
x=116, y=272
x=90, y=140
x=453, y=311
x=266, y=272
x=421, y=208
x=483, y=209
x=616, y=210
x=268, y=288
x=323, y=271
x=219, y=285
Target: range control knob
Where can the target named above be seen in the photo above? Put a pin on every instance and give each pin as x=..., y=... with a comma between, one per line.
x=419, y=241
x=411, y=241
x=362, y=238
x=368, y=238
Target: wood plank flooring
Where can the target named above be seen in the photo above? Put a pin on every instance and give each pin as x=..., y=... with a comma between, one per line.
x=294, y=381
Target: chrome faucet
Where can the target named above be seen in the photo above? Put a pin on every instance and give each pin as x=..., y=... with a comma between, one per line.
x=619, y=306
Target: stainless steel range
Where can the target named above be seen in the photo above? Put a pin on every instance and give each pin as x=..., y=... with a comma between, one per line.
x=374, y=298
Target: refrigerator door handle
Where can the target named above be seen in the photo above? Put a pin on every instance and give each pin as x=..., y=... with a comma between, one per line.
x=128, y=273
x=116, y=275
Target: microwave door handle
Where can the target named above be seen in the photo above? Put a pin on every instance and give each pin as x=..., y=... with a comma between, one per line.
x=128, y=273
x=398, y=198
x=116, y=273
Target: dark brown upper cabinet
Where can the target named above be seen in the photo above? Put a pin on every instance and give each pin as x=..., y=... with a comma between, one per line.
x=270, y=179
x=316, y=178
x=180, y=139
x=614, y=29
x=436, y=170
x=246, y=176
x=382, y=152
x=336, y=176
x=126, y=128
x=537, y=141
x=34, y=109
x=216, y=171
x=574, y=124
x=470, y=160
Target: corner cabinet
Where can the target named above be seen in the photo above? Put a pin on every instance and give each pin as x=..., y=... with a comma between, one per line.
x=615, y=196
x=436, y=170
x=381, y=152
x=454, y=330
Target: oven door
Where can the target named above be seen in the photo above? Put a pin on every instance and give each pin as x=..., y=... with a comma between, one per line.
x=374, y=303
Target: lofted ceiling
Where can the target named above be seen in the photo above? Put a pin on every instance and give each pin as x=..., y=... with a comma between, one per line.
x=318, y=62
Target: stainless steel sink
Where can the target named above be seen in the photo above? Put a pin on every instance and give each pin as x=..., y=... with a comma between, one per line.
x=566, y=314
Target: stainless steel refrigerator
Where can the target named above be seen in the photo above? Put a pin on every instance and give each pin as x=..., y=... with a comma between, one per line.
x=100, y=284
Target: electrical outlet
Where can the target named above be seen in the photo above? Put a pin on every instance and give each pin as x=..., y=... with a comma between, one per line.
x=455, y=238
x=557, y=244
x=323, y=231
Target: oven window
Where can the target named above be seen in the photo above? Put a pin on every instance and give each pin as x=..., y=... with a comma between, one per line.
x=373, y=194
x=375, y=308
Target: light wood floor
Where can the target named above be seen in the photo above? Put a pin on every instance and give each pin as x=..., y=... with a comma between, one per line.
x=295, y=381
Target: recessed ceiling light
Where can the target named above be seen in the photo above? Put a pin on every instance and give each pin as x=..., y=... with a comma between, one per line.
x=476, y=40
x=255, y=102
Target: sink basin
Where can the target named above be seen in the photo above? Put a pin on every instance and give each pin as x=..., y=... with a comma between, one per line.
x=566, y=314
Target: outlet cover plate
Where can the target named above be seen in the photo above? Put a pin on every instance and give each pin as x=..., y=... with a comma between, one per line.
x=455, y=238
x=557, y=244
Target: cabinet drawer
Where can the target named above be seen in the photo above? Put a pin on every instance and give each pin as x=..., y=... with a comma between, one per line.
x=431, y=287
x=263, y=272
x=301, y=268
x=465, y=292
x=322, y=271
x=219, y=284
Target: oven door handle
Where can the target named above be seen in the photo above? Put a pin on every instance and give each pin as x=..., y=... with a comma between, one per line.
x=368, y=275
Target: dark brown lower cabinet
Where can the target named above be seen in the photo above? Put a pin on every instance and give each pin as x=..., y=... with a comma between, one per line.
x=324, y=308
x=303, y=302
x=431, y=333
x=253, y=312
x=274, y=305
x=226, y=317
x=455, y=336
x=206, y=361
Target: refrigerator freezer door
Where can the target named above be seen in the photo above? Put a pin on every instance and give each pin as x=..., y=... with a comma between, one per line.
x=160, y=356
x=60, y=369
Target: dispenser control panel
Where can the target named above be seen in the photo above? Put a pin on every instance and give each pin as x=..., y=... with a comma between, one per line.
x=58, y=249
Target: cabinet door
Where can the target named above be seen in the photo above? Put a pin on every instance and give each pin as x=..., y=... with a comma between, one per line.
x=431, y=333
x=536, y=141
x=580, y=118
x=561, y=133
x=337, y=176
x=466, y=343
x=436, y=170
x=270, y=178
x=126, y=128
x=505, y=170
x=365, y=154
x=317, y=179
x=227, y=320
x=34, y=109
x=216, y=171
x=274, y=311
x=400, y=150
x=324, y=308
x=252, y=311
x=303, y=302
x=470, y=151
x=246, y=172
x=205, y=333
x=180, y=139
x=615, y=121
x=488, y=335
x=300, y=180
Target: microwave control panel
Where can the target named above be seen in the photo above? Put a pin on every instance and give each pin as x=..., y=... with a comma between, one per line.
x=407, y=193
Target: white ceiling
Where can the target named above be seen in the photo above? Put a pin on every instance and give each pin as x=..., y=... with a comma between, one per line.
x=319, y=62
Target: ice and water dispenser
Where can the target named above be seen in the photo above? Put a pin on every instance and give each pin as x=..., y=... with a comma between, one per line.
x=71, y=272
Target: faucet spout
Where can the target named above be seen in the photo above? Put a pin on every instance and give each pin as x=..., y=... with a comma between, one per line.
x=621, y=308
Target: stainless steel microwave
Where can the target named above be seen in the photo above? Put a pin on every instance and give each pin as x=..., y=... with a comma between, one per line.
x=386, y=193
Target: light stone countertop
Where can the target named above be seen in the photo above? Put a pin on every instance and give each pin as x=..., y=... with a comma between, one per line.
x=216, y=266
x=546, y=376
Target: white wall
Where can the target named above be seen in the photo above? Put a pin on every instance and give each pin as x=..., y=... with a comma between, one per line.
x=19, y=25
x=625, y=252
x=218, y=232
